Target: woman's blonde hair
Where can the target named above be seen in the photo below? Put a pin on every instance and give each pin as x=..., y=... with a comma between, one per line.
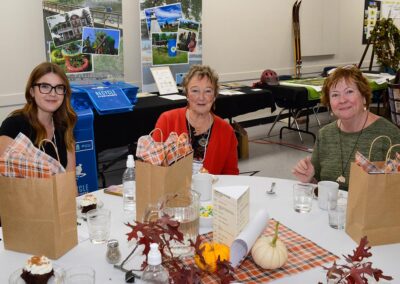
x=349, y=74
x=64, y=117
x=202, y=71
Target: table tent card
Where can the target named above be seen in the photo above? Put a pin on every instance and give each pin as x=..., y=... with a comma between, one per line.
x=231, y=212
x=164, y=80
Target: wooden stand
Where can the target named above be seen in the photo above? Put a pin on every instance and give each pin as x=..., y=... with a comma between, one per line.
x=365, y=52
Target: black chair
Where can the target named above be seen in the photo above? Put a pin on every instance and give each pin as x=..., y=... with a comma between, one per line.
x=394, y=102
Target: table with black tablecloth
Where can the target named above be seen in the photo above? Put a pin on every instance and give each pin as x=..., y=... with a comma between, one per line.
x=120, y=129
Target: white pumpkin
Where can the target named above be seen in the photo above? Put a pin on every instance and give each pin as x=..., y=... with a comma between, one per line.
x=269, y=252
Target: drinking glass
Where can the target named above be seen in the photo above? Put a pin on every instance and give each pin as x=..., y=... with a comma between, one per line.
x=99, y=222
x=80, y=275
x=337, y=206
x=302, y=197
x=325, y=188
x=202, y=183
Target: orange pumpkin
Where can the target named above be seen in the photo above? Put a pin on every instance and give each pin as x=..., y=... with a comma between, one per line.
x=210, y=253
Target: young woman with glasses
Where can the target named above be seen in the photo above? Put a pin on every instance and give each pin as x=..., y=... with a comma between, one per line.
x=213, y=139
x=47, y=114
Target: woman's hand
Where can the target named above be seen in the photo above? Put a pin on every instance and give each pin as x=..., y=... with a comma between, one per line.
x=304, y=170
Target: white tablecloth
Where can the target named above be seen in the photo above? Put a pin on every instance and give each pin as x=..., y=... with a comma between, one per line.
x=313, y=225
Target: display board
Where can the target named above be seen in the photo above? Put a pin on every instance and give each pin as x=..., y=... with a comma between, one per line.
x=374, y=10
x=170, y=35
x=84, y=37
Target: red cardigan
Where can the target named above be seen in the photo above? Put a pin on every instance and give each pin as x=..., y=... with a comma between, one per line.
x=221, y=156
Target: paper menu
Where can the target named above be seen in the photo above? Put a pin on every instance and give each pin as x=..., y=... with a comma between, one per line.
x=231, y=212
x=246, y=239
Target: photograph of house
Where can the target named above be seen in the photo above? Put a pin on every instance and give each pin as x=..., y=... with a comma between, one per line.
x=67, y=27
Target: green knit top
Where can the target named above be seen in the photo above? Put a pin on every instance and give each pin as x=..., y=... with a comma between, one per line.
x=330, y=148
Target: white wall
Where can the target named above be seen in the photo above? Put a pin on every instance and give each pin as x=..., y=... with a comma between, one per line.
x=240, y=39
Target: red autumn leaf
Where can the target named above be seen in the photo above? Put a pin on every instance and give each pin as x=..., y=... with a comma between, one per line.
x=361, y=252
x=224, y=271
x=355, y=271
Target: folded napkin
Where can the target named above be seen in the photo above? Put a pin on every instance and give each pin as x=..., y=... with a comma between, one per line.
x=165, y=153
x=22, y=159
x=390, y=166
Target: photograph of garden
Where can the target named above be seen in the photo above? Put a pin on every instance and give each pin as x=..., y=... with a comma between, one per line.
x=70, y=58
x=100, y=41
x=164, y=50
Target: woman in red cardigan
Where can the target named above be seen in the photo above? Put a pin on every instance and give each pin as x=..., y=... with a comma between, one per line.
x=213, y=139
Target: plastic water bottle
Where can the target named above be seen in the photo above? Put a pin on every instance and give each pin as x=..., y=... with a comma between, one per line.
x=154, y=273
x=129, y=186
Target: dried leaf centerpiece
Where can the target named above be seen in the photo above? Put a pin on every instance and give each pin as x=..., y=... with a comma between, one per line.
x=356, y=270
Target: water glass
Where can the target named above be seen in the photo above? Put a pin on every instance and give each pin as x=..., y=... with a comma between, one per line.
x=202, y=183
x=325, y=188
x=99, y=223
x=337, y=206
x=80, y=275
x=302, y=197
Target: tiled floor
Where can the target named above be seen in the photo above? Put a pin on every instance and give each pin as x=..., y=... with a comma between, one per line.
x=266, y=155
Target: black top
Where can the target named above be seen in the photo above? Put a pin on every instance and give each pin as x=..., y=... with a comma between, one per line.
x=15, y=124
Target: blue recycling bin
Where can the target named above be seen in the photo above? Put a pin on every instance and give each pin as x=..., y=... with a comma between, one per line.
x=105, y=98
x=86, y=166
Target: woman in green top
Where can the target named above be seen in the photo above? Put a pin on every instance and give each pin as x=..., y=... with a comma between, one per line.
x=347, y=93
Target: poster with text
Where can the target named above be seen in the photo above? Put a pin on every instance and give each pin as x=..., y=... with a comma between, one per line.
x=84, y=37
x=161, y=24
x=375, y=10
x=371, y=16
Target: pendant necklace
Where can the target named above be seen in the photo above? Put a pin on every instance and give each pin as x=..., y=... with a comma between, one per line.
x=341, y=179
x=203, y=141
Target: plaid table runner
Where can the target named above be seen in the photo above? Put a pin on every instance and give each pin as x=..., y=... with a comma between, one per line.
x=303, y=254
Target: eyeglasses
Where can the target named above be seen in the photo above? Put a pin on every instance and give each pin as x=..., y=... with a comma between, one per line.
x=46, y=88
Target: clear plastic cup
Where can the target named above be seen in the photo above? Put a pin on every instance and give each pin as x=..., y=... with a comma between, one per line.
x=99, y=223
x=302, y=197
x=80, y=275
x=337, y=206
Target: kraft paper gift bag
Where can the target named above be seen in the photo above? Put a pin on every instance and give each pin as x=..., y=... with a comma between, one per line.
x=243, y=140
x=373, y=208
x=153, y=182
x=38, y=215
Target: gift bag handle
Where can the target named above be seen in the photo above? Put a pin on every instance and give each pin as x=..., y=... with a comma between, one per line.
x=390, y=150
x=376, y=139
x=52, y=143
x=161, y=133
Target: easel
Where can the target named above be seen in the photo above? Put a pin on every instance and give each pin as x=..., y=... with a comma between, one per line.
x=365, y=52
x=382, y=95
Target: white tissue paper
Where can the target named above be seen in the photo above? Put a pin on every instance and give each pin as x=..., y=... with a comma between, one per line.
x=246, y=239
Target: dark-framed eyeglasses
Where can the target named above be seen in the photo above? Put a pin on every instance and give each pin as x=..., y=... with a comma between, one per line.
x=46, y=88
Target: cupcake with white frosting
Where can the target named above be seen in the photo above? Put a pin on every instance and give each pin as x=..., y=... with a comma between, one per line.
x=88, y=202
x=37, y=270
